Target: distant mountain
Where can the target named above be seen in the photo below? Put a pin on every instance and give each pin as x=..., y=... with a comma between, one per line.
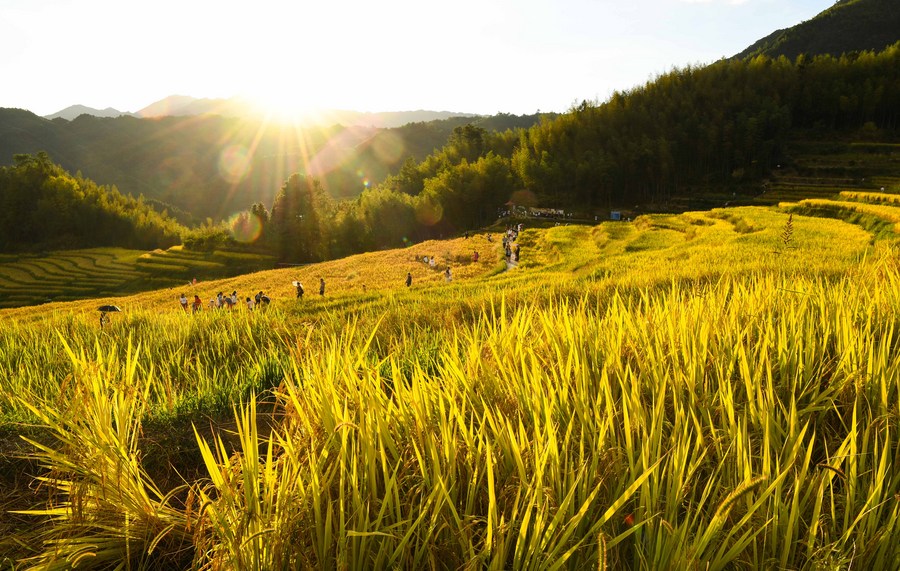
x=74, y=111
x=848, y=26
x=187, y=106
x=212, y=165
x=183, y=106
x=171, y=106
x=384, y=120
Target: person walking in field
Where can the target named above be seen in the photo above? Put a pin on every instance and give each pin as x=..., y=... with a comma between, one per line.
x=300, y=289
x=184, y=302
x=321, y=286
x=447, y=275
x=198, y=304
x=250, y=303
x=408, y=279
x=475, y=256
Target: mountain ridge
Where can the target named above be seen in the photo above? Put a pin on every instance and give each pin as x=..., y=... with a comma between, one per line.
x=236, y=107
x=74, y=111
x=847, y=26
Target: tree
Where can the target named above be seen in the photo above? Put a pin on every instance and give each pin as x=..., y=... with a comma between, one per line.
x=300, y=220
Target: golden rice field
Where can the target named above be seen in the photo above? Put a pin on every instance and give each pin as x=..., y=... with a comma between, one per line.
x=871, y=197
x=711, y=390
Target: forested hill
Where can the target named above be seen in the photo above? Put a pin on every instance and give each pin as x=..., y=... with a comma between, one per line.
x=42, y=207
x=722, y=128
x=848, y=26
x=213, y=166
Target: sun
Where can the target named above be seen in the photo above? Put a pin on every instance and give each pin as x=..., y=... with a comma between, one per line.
x=283, y=105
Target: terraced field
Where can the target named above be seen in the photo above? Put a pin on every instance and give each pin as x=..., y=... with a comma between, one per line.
x=110, y=272
x=824, y=170
x=706, y=390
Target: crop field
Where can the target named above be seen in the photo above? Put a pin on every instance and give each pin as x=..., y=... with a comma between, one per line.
x=872, y=197
x=707, y=390
x=879, y=218
x=107, y=272
x=826, y=170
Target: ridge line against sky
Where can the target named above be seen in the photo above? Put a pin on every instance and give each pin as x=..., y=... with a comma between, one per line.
x=478, y=56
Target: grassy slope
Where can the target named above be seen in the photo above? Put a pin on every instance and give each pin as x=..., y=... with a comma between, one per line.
x=516, y=362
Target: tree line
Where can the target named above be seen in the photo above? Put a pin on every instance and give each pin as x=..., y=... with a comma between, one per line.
x=42, y=207
x=210, y=166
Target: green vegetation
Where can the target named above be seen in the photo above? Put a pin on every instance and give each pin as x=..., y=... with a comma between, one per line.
x=43, y=207
x=671, y=392
x=850, y=26
x=692, y=138
x=213, y=166
x=779, y=130
x=707, y=390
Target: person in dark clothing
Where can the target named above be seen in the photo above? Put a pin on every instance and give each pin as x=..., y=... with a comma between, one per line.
x=408, y=279
x=321, y=286
x=300, y=290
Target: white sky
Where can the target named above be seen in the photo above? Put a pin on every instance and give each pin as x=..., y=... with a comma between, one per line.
x=476, y=56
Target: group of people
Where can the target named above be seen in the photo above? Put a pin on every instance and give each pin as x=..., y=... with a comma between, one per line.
x=510, y=245
x=300, y=291
x=260, y=299
x=222, y=301
x=432, y=263
x=196, y=305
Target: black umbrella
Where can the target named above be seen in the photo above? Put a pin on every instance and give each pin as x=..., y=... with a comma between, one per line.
x=108, y=308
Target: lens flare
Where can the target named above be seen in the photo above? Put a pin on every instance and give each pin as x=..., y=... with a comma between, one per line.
x=245, y=227
x=175, y=174
x=523, y=198
x=429, y=213
x=388, y=147
x=234, y=163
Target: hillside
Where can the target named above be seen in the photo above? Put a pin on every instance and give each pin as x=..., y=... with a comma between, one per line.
x=848, y=26
x=44, y=207
x=213, y=166
x=612, y=401
x=74, y=111
x=660, y=147
x=691, y=138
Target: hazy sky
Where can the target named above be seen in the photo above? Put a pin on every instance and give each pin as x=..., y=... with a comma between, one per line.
x=477, y=56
